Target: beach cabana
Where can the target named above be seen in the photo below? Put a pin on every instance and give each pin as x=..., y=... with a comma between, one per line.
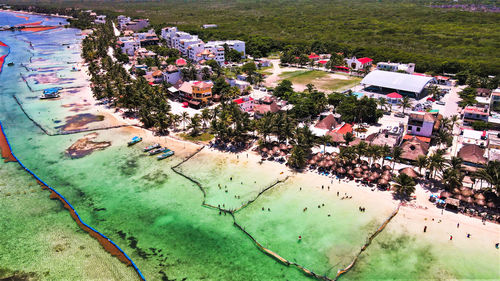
x=394, y=98
x=409, y=172
x=445, y=194
x=452, y=203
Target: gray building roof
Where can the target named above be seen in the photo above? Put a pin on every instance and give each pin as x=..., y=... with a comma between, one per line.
x=397, y=81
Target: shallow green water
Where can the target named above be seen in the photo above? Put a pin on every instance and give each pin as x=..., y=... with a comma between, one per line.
x=41, y=240
x=156, y=216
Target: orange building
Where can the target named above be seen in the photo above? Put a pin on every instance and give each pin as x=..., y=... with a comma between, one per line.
x=202, y=91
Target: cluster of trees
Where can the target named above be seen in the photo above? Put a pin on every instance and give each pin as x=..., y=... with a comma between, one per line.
x=306, y=104
x=111, y=82
x=407, y=31
x=364, y=110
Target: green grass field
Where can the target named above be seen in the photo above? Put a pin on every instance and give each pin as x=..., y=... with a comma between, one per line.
x=320, y=79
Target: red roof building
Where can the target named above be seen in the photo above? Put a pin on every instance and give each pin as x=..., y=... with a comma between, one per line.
x=180, y=62
x=394, y=95
x=365, y=60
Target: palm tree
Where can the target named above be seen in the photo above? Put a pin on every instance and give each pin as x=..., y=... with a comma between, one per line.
x=184, y=118
x=396, y=155
x=206, y=115
x=383, y=103
x=454, y=120
x=405, y=103
x=324, y=140
x=405, y=186
x=194, y=124
x=452, y=178
x=456, y=163
x=421, y=162
x=435, y=162
x=385, y=151
x=348, y=137
x=490, y=174
x=361, y=149
x=446, y=123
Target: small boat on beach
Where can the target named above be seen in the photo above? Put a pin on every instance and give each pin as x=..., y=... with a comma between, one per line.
x=151, y=147
x=167, y=154
x=10, y=64
x=134, y=140
x=50, y=93
x=157, y=151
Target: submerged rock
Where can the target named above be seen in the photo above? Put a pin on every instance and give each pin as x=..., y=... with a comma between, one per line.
x=86, y=146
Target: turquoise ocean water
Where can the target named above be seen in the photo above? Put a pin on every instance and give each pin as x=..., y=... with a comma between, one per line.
x=156, y=215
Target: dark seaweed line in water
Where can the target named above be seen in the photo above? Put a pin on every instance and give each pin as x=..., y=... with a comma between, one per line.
x=268, y=251
x=68, y=132
x=205, y=194
x=112, y=247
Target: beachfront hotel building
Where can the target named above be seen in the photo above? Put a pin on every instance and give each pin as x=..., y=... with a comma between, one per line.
x=128, y=45
x=391, y=66
x=197, y=50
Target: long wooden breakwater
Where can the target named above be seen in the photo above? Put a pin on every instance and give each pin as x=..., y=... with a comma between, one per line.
x=68, y=132
x=107, y=243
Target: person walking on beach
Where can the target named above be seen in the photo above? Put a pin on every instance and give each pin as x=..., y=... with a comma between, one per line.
x=451, y=237
x=458, y=225
x=425, y=228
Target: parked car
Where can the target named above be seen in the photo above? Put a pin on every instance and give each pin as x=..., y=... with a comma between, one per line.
x=399, y=114
x=440, y=102
x=387, y=113
x=431, y=99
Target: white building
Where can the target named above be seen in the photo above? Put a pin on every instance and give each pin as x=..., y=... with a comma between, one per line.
x=391, y=66
x=205, y=26
x=421, y=124
x=100, y=19
x=474, y=113
x=359, y=64
x=128, y=45
x=125, y=23
x=232, y=44
x=171, y=74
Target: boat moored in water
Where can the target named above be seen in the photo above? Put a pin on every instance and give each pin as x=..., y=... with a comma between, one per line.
x=134, y=140
x=50, y=93
x=167, y=154
x=151, y=147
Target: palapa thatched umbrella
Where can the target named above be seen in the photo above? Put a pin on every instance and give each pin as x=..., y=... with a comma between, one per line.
x=479, y=196
x=335, y=154
x=358, y=175
x=480, y=202
x=467, y=192
x=264, y=149
x=283, y=146
x=469, y=200
x=409, y=172
x=312, y=162
x=276, y=149
x=316, y=158
x=445, y=194
x=354, y=162
x=490, y=205
x=358, y=170
x=331, y=163
x=387, y=168
x=386, y=177
x=364, y=163
x=382, y=182
x=376, y=175
x=459, y=197
x=322, y=163
x=372, y=178
x=328, y=158
x=341, y=171
x=289, y=146
x=376, y=166
x=320, y=154
x=365, y=167
x=350, y=172
x=456, y=191
x=282, y=153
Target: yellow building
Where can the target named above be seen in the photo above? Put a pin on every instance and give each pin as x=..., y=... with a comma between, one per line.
x=202, y=92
